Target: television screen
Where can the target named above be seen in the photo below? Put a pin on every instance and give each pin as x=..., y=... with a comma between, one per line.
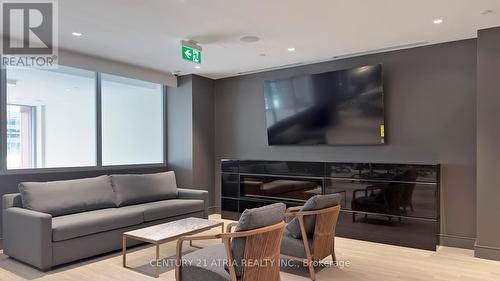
x=344, y=107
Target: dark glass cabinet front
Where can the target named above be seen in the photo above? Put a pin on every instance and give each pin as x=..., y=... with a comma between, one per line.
x=393, y=198
x=280, y=188
x=387, y=203
x=383, y=172
x=230, y=185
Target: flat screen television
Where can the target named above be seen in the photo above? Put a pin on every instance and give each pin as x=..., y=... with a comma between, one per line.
x=344, y=107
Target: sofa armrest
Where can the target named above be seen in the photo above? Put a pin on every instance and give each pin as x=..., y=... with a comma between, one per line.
x=11, y=200
x=184, y=193
x=27, y=236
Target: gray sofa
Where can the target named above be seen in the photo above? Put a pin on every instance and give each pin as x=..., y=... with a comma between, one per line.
x=53, y=223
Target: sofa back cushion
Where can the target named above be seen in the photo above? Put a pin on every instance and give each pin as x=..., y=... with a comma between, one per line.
x=316, y=202
x=67, y=197
x=252, y=219
x=136, y=189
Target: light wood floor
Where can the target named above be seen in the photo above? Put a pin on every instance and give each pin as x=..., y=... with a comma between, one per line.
x=368, y=261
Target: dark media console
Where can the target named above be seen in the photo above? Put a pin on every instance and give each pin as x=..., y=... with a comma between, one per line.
x=395, y=204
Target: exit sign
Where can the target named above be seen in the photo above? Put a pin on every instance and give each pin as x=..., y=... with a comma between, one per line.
x=191, y=54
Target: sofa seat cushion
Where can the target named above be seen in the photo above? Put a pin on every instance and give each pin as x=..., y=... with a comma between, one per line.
x=60, y=198
x=205, y=264
x=82, y=224
x=168, y=208
x=294, y=247
x=136, y=189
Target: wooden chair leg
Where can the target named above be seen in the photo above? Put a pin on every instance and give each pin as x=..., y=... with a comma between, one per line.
x=334, y=257
x=312, y=272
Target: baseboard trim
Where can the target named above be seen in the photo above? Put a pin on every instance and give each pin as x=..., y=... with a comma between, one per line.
x=486, y=252
x=457, y=241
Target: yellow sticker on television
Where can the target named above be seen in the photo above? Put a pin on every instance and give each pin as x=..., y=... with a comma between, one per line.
x=382, y=131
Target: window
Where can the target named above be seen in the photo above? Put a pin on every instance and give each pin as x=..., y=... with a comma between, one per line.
x=50, y=118
x=132, y=121
x=53, y=122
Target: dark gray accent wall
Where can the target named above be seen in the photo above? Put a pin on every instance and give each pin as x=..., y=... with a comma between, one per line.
x=180, y=130
x=203, y=135
x=190, y=132
x=430, y=118
x=488, y=143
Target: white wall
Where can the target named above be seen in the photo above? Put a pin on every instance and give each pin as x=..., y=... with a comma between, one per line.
x=104, y=65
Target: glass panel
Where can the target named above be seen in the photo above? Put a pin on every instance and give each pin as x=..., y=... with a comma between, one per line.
x=389, y=172
x=229, y=166
x=293, y=168
x=50, y=118
x=230, y=185
x=295, y=189
x=132, y=121
x=402, y=199
x=404, y=231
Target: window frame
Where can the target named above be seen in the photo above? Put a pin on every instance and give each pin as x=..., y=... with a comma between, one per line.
x=98, y=114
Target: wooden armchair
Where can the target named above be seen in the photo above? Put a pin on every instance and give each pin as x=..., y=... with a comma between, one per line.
x=262, y=244
x=323, y=238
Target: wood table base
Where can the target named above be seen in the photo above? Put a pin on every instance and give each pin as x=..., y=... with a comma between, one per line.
x=158, y=243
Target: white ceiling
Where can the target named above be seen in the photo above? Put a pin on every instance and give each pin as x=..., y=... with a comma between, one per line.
x=147, y=32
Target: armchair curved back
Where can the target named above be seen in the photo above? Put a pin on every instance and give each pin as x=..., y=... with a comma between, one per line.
x=324, y=231
x=262, y=253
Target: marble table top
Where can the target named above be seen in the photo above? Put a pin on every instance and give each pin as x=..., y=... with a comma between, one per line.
x=173, y=229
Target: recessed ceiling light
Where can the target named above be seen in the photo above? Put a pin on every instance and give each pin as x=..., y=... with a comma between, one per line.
x=249, y=39
x=438, y=21
x=291, y=49
x=262, y=55
x=197, y=67
x=77, y=34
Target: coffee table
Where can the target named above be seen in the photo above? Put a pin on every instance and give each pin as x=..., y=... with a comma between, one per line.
x=167, y=232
